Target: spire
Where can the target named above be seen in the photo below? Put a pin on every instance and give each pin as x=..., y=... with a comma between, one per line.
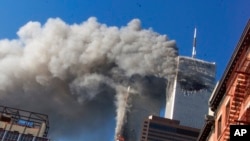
x=194, y=44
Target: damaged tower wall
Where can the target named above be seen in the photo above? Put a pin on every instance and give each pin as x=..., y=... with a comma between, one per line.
x=188, y=95
x=149, y=101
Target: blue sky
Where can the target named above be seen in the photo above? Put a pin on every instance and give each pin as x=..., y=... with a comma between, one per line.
x=219, y=22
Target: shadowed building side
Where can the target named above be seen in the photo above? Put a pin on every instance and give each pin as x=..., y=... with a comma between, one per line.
x=149, y=101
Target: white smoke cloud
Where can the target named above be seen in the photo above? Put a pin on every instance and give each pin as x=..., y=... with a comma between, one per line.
x=72, y=70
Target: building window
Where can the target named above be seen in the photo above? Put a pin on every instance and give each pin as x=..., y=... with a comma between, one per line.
x=11, y=136
x=227, y=112
x=1, y=132
x=25, y=137
x=41, y=139
x=219, y=127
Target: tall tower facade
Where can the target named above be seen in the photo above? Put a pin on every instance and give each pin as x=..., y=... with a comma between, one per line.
x=149, y=101
x=188, y=94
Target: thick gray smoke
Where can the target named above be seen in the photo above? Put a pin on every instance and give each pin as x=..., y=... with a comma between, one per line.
x=77, y=73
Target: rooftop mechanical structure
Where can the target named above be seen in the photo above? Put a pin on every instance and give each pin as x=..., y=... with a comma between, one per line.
x=21, y=125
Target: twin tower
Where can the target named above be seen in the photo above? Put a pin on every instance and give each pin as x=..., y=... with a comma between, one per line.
x=185, y=98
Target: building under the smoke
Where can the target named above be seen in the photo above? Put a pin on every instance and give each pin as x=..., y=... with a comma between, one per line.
x=21, y=125
x=188, y=95
x=162, y=129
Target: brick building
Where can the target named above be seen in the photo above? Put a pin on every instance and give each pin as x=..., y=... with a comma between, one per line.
x=230, y=102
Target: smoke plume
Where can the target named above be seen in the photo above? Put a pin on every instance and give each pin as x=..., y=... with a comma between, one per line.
x=77, y=73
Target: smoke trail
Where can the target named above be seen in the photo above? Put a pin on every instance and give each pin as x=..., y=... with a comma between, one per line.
x=72, y=71
x=123, y=106
x=121, y=110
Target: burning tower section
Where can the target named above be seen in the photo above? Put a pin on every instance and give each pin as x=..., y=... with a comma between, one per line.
x=188, y=94
x=149, y=99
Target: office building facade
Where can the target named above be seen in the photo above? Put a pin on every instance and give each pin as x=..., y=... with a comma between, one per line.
x=162, y=129
x=21, y=125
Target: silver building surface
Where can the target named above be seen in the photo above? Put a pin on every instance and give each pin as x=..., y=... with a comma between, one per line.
x=188, y=95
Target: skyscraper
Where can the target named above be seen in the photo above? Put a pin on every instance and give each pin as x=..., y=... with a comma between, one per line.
x=185, y=97
x=148, y=102
x=188, y=95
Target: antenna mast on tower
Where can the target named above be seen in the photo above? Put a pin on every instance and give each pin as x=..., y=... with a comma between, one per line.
x=194, y=44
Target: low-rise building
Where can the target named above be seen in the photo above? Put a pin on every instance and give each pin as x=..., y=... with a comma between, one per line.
x=21, y=125
x=163, y=129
